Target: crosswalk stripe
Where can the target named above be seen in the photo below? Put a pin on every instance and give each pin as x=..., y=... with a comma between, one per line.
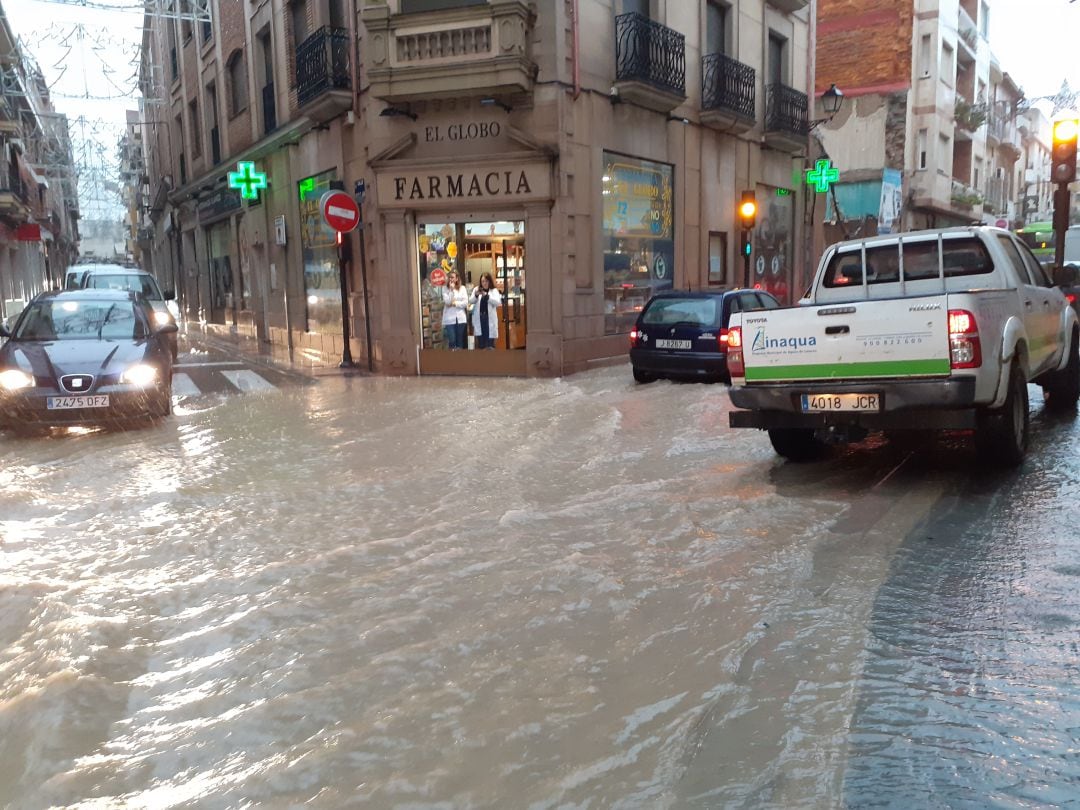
x=182, y=386
x=248, y=381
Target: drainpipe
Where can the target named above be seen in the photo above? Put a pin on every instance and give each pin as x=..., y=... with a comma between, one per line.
x=577, y=67
x=809, y=211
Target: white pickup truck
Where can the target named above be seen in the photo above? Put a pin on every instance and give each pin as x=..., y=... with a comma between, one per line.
x=928, y=330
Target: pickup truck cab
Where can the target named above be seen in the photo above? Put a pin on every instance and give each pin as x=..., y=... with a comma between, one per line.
x=928, y=330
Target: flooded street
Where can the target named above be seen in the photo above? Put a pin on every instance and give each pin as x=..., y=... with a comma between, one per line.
x=449, y=593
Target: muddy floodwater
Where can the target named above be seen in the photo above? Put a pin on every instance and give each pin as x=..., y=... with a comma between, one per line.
x=438, y=593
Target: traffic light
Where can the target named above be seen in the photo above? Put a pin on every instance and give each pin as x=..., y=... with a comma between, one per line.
x=748, y=206
x=1063, y=155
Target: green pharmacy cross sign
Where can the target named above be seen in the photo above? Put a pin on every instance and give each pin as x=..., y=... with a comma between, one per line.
x=247, y=180
x=822, y=176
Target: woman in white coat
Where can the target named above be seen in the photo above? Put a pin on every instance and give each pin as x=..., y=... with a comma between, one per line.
x=455, y=309
x=485, y=312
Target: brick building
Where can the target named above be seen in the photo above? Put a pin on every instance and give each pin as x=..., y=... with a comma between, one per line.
x=586, y=153
x=929, y=136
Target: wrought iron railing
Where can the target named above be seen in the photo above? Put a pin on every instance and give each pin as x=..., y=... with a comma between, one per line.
x=648, y=52
x=15, y=185
x=727, y=85
x=269, y=108
x=322, y=64
x=786, y=111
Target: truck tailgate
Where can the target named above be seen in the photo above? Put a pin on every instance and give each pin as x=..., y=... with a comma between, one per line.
x=905, y=337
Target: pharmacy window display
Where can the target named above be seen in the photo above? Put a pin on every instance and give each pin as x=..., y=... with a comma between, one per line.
x=638, y=236
x=488, y=310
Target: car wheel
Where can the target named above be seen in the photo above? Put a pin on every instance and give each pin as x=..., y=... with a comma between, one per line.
x=1002, y=435
x=796, y=444
x=643, y=376
x=1063, y=390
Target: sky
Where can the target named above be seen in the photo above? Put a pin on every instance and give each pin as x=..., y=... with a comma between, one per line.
x=1035, y=41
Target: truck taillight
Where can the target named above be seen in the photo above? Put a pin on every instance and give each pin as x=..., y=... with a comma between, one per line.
x=735, y=365
x=965, y=350
x=635, y=338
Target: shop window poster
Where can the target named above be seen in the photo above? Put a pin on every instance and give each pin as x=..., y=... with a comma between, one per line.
x=319, y=248
x=638, y=229
x=773, y=243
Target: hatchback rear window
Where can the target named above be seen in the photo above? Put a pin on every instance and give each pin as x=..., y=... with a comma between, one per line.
x=685, y=311
x=962, y=257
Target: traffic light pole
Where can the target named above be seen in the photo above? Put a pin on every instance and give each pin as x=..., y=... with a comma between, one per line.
x=1061, y=222
x=746, y=259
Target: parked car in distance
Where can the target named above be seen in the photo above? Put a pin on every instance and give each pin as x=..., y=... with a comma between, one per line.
x=78, y=357
x=683, y=335
x=117, y=277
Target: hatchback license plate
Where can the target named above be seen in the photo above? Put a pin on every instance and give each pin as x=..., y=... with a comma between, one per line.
x=673, y=344
x=817, y=403
x=70, y=403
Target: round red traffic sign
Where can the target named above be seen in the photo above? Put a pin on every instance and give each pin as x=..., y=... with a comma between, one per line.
x=340, y=211
x=437, y=277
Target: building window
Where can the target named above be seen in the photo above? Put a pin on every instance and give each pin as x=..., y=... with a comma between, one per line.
x=638, y=236
x=195, y=122
x=184, y=8
x=298, y=19
x=207, y=26
x=777, y=52
x=717, y=35
x=924, y=55
x=718, y=258
x=238, y=83
x=944, y=164
x=411, y=6
x=948, y=66
x=984, y=21
x=920, y=146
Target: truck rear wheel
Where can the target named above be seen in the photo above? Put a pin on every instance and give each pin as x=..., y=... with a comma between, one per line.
x=1063, y=390
x=1002, y=436
x=796, y=444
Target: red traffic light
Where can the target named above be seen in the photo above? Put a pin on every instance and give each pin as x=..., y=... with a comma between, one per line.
x=1063, y=152
x=748, y=210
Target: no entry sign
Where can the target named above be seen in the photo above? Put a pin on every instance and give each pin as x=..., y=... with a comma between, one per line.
x=340, y=211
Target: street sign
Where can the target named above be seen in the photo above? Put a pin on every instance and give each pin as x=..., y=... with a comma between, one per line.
x=340, y=211
x=437, y=277
x=358, y=191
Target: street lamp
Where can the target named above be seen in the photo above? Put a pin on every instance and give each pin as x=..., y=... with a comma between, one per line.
x=831, y=102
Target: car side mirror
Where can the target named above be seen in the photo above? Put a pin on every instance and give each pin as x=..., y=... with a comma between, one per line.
x=4, y=331
x=167, y=329
x=169, y=295
x=1067, y=276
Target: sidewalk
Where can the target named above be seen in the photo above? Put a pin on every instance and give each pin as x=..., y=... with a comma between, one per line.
x=307, y=362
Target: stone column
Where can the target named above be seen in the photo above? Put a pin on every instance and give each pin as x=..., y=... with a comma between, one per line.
x=398, y=354
x=543, y=286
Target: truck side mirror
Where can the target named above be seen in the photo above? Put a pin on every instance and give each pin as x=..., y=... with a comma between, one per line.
x=4, y=332
x=1067, y=276
x=169, y=295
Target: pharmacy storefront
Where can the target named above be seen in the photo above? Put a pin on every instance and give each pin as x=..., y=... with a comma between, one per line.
x=468, y=247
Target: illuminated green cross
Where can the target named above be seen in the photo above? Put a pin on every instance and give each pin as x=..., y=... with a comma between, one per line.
x=822, y=176
x=247, y=180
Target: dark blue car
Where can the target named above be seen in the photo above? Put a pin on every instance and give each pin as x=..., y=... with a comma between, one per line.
x=85, y=357
x=683, y=335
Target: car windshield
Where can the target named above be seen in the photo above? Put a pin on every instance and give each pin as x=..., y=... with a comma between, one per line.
x=130, y=282
x=79, y=320
x=686, y=311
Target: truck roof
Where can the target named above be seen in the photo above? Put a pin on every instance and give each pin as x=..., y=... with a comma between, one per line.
x=907, y=236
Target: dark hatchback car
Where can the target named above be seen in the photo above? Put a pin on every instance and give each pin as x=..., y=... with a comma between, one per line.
x=85, y=357
x=683, y=335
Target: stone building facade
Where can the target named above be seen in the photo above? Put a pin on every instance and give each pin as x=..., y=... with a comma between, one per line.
x=585, y=153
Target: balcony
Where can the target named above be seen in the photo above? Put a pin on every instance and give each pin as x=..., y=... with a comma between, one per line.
x=323, y=80
x=13, y=197
x=789, y=6
x=467, y=51
x=964, y=197
x=269, y=108
x=787, y=123
x=728, y=99
x=996, y=199
x=650, y=63
x=968, y=35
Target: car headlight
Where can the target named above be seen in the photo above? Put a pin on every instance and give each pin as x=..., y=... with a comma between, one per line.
x=162, y=318
x=13, y=380
x=141, y=374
